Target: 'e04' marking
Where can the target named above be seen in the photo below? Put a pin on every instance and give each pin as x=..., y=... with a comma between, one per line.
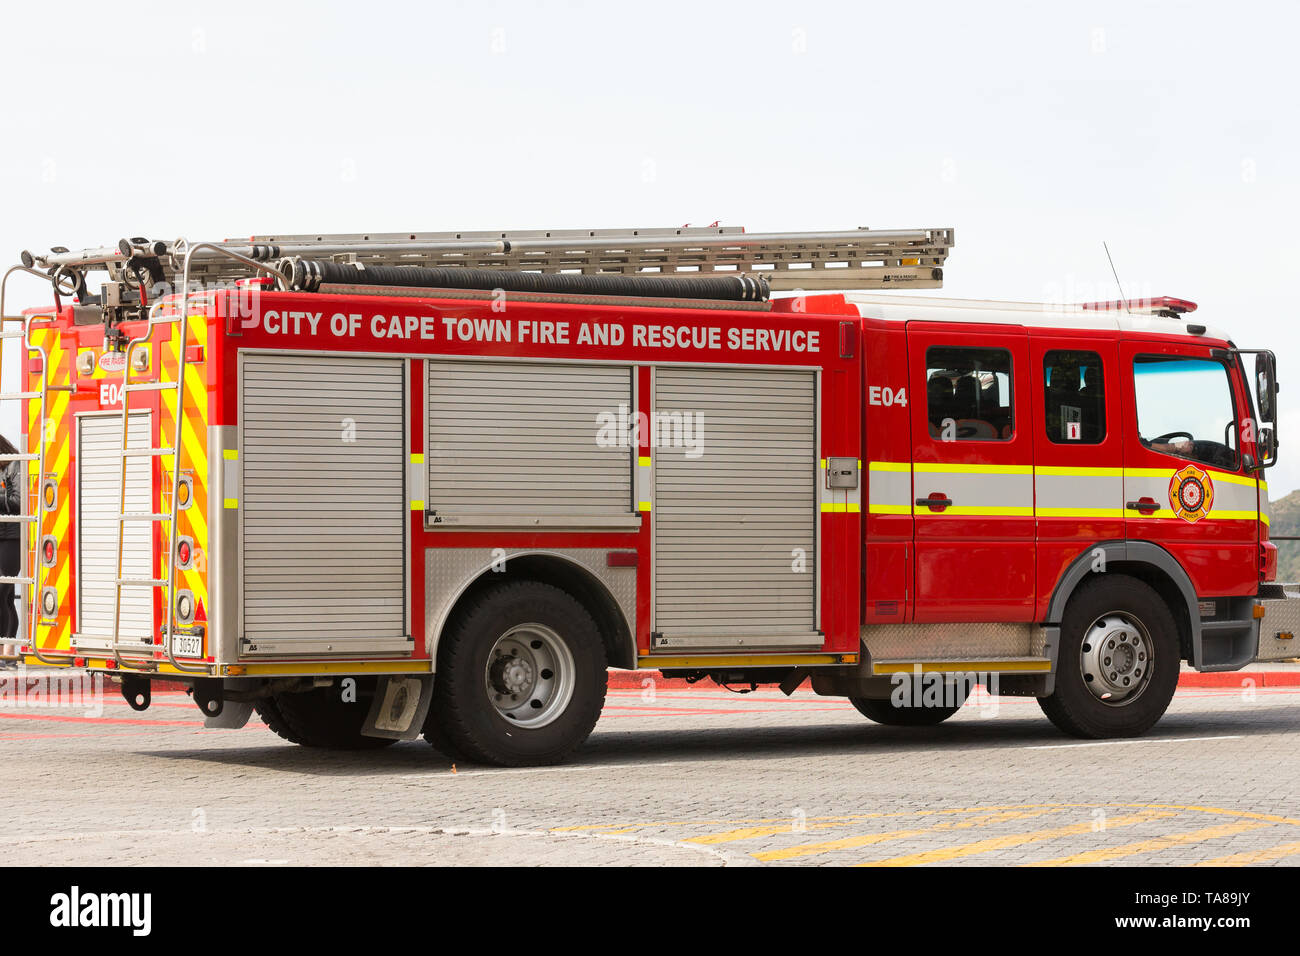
x=887, y=397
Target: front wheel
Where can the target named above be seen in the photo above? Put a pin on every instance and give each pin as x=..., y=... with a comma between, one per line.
x=520, y=679
x=1118, y=661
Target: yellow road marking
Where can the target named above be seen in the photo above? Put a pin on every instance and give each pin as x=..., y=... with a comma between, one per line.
x=1150, y=846
x=945, y=854
x=785, y=822
x=1243, y=814
x=866, y=839
x=1253, y=856
x=853, y=816
x=749, y=833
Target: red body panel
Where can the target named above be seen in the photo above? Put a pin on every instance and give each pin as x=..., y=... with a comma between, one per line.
x=971, y=567
x=1062, y=539
x=1220, y=556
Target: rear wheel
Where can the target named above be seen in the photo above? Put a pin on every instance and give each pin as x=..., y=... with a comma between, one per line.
x=886, y=712
x=521, y=677
x=328, y=717
x=1118, y=661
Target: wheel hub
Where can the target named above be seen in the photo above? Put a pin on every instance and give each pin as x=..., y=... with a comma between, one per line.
x=1116, y=658
x=530, y=675
x=511, y=675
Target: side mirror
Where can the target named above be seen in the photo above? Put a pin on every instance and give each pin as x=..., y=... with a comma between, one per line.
x=1266, y=386
x=1266, y=440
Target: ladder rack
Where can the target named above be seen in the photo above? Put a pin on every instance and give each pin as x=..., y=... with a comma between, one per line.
x=848, y=259
x=32, y=578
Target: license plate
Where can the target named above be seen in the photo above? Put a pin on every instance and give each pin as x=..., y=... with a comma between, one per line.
x=187, y=645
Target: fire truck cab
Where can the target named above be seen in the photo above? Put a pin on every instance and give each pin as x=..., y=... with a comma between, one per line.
x=373, y=487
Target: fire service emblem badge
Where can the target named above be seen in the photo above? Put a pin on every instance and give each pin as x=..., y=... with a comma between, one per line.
x=1191, y=493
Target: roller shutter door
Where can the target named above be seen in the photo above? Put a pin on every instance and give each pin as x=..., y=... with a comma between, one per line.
x=523, y=440
x=324, y=505
x=99, y=440
x=730, y=524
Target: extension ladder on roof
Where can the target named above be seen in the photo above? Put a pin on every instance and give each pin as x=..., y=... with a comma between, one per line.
x=848, y=259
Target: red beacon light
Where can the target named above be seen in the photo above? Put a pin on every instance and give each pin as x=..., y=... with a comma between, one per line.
x=1165, y=305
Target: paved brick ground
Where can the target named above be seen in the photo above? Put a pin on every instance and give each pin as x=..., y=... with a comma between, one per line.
x=683, y=778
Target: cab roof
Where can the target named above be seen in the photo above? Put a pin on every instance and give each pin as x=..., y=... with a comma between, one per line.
x=1162, y=315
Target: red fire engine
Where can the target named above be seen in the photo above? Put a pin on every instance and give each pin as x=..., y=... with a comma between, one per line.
x=377, y=486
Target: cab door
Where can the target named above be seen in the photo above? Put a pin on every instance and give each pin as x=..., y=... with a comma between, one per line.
x=1185, y=484
x=972, y=467
x=1078, y=455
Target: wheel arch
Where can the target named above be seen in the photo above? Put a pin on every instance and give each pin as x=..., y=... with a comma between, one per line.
x=1150, y=564
x=561, y=571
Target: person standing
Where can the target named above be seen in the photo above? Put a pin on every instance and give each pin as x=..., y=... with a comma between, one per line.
x=11, y=483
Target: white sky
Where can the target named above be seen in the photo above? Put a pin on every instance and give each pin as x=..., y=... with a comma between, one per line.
x=1169, y=131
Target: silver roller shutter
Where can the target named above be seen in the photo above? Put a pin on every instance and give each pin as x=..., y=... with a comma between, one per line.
x=99, y=441
x=728, y=522
x=511, y=439
x=323, y=502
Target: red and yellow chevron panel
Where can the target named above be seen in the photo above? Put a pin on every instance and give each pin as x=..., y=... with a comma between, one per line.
x=52, y=634
x=193, y=521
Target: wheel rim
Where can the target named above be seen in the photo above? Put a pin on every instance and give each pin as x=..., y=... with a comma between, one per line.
x=1116, y=658
x=529, y=675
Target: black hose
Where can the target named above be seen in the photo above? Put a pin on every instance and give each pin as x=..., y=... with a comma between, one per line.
x=308, y=275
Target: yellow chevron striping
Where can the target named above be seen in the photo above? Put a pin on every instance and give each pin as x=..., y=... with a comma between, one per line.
x=945, y=854
x=1104, y=854
x=868, y=839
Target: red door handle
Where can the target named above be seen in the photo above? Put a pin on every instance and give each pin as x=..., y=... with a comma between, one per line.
x=936, y=502
x=1144, y=506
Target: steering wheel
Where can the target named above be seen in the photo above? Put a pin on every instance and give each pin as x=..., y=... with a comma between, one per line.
x=1169, y=435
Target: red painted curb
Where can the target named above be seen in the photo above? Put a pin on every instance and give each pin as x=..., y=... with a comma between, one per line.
x=1240, y=679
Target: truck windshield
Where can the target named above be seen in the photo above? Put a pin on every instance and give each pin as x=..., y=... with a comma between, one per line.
x=1184, y=408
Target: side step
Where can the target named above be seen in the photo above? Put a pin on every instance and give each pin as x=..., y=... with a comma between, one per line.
x=994, y=665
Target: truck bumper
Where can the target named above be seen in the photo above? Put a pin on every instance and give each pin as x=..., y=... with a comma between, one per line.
x=1281, y=622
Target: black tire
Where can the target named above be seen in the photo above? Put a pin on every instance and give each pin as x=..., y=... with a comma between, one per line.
x=465, y=717
x=323, y=718
x=274, y=720
x=886, y=712
x=1114, y=611
x=437, y=738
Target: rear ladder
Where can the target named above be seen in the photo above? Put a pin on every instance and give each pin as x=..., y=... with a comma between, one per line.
x=31, y=575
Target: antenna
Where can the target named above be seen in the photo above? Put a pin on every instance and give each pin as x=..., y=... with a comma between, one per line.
x=1122, y=296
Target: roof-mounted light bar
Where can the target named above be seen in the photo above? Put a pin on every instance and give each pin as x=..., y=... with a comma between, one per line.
x=1162, y=305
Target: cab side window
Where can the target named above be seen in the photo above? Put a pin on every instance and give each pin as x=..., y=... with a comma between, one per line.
x=968, y=394
x=1185, y=408
x=1074, y=398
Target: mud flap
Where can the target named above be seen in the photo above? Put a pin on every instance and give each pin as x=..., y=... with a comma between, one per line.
x=400, y=706
x=234, y=714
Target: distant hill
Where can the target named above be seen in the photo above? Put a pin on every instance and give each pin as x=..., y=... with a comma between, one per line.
x=1284, y=519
